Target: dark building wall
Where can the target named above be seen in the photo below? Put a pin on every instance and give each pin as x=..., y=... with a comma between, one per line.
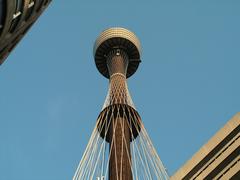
x=1, y=13
x=16, y=17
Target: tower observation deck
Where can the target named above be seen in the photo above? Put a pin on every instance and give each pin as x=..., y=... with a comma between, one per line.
x=119, y=148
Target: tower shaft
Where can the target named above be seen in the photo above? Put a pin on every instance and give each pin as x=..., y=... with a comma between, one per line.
x=117, y=63
x=119, y=132
x=119, y=147
x=120, y=157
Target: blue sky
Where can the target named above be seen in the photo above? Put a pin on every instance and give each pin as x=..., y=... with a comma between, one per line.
x=186, y=88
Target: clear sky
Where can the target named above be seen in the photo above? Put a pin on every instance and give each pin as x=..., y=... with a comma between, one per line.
x=186, y=88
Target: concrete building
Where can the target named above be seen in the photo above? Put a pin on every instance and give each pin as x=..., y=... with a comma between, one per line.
x=219, y=158
x=16, y=17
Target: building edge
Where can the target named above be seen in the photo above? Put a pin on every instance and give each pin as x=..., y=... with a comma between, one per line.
x=212, y=156
x=17, y=25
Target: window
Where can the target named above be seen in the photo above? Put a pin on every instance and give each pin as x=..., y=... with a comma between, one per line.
x=2, y=14
x=40, y=5
x=30, y=9
x=17, y=15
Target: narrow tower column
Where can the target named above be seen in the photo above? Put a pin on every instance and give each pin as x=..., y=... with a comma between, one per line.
x=117, y=63
x=119, y=132
x=117, y=56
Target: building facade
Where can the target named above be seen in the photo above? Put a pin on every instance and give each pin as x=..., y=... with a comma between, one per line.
x=219, y=158
x=16, y=17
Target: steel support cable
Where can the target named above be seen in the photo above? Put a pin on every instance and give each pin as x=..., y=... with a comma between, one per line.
x=81, y=170
x=142, y=144
x=139, y=151
x=122, y=128
x=124, y=138
x=152, y=150
x=144, y=163
x=147, y=140
x=115, y=152
x=134, y=155
x=96, y=163
x=92, y=156
x=103, y=142
x=110, y=150
x=142, y=149
x=130, y=128
x=85, y=155
x=103, y=161
x=136, y=126
x=128, y=155
x=159, y=162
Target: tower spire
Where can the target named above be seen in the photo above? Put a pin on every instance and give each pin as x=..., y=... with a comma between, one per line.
x=119, y=148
